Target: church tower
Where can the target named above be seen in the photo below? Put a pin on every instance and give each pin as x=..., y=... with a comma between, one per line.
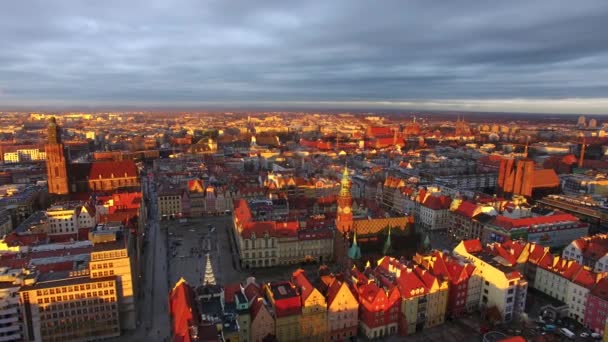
x=56, y=169
x=344, y=219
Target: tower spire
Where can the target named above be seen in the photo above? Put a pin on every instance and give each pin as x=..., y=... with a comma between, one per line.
x=209, y=278
x=354, y=252
x=345, y=183
x=387, y=244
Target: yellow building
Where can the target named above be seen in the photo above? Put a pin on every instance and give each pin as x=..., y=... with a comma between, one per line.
x=313, y=321
x=70, y=307
x=502, y=286
x=342, y=311
x=112, y=259
x=424, y=297
x=287, y=309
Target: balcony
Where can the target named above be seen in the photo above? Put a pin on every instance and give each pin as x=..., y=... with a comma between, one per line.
x=12, y=319
x=12, y=337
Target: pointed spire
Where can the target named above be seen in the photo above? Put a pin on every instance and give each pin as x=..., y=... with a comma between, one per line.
x=354, y=252
x=345, y=183
x=387, y=244
x=209, y=278
x=427, y=243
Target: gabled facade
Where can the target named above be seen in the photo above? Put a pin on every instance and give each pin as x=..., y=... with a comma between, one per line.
x=313, y=322
x=342, y=312
x=378, y=310
x=262, y=321
x=465, y=286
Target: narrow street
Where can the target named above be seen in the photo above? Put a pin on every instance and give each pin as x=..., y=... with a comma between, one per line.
x=152, y=312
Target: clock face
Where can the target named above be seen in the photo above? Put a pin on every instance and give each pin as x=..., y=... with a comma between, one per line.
x=347, y=210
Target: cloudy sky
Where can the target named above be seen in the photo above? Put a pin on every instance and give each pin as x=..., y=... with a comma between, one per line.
x=545, y=56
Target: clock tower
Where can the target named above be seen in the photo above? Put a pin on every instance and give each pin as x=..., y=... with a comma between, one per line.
x=344, y=218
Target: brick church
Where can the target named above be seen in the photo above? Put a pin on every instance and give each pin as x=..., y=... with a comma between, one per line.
x=66, y=178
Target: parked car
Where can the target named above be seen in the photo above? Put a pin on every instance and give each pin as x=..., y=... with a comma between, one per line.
x=584, y=334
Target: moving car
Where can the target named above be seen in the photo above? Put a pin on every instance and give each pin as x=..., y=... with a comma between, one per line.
x=566, y=332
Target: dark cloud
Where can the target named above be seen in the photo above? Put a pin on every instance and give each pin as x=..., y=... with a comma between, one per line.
x=389, y=53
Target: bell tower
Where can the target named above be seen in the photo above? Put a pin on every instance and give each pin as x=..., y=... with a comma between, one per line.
x=56, y=170
x=344, y=219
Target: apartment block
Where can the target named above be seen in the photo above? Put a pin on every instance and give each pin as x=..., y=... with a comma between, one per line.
x=503, y=287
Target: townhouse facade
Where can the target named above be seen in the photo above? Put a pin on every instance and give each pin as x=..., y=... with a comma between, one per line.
x=342, y=311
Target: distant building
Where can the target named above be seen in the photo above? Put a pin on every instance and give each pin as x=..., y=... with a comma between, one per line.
x=64, y=178
x=68, y=218
x=56, y=164
x=582, y=121
x=555, y=230
x=519, y=177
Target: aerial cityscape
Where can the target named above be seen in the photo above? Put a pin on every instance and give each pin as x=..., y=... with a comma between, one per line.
x=234, y=171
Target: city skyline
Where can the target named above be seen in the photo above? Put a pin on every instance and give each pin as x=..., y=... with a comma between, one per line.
x=545, y=57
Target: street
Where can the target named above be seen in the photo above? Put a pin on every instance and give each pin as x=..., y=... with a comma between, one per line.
x=152, y=312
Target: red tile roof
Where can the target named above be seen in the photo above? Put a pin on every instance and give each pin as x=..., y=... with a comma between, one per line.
x=437, y=202
x=545, y=178
x=113, y=169
x=585, y=278
x=410, y=285
x=256, y=307
x=601, y=289
x=230, y=290
x=302, y=282
x=510, y=223
x=472, y=246
x=287, y=303
x=252, y=291
x=259, y=229
x=181, y=299
x=467, y=209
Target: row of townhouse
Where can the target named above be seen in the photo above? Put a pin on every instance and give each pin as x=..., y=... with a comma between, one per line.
x=291, y=310
x=429, y=206
x=394, y=297
x=398, y=299
x=193, y=200
x=583, y=290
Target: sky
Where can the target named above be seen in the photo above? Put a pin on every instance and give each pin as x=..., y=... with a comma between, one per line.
x=520, y=56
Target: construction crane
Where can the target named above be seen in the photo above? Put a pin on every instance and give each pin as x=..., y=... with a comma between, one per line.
x=582, y=156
